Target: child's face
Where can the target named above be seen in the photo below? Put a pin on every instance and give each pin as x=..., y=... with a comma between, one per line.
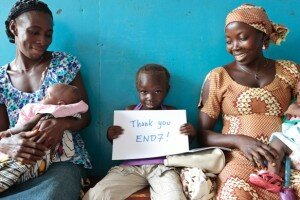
x=152, y=89
x=50, y=97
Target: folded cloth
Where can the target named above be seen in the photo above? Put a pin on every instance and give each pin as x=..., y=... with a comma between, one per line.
x=209, y=160
x=196, y=185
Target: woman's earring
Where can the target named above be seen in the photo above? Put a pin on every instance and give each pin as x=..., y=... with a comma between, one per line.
x=263, y=47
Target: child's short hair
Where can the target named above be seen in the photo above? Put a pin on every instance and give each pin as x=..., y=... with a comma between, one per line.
x=152, y=69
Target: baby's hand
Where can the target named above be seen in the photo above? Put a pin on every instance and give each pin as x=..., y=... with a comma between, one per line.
x=113, y=132
x=188, y=129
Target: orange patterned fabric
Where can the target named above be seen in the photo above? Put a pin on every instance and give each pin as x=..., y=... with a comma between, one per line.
x=255, y=112
x=257, y=17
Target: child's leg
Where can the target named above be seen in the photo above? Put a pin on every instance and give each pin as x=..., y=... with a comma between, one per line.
x=282, y=150
x=119, y=183
x=165, y=183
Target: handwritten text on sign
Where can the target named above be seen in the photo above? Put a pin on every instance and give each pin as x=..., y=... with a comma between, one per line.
x=149, y=134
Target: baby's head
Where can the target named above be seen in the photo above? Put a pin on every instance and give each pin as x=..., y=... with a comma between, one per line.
x=152, y=83
x=60, y=94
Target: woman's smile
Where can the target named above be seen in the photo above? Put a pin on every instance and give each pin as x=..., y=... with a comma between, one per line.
x=240, y=56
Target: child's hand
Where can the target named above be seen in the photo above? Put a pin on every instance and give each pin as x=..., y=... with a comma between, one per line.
x=113, y=132
x=188, y=129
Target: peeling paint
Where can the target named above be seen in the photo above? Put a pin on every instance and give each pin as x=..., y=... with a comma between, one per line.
x=188, y=13
x=59, y=11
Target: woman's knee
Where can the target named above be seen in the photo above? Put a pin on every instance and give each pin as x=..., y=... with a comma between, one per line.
x=64, y=180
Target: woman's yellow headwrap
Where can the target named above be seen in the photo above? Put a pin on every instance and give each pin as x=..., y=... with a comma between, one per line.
x=257, y=17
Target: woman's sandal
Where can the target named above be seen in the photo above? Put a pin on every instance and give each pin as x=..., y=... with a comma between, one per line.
x=267, y=180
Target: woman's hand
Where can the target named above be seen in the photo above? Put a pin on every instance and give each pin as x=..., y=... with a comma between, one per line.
x=51, y=131
x=256, y=151
x=113, y=132
x=21, y=148
x=188, y=129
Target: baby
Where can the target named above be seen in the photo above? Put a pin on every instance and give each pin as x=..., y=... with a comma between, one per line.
x=61, y=100
x=285, y=142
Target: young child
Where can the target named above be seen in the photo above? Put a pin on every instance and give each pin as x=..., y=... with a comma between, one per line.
x=152, y=83
x=61, y=100
x=285, y=142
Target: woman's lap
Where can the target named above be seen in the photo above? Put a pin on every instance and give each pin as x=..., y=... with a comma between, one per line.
x=61, y=181
x=233, y=181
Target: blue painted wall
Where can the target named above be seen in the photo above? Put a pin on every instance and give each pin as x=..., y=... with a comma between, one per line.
x=113, y=38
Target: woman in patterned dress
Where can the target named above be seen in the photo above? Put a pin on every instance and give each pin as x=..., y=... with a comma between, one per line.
x=251, y=94
x=24, y=80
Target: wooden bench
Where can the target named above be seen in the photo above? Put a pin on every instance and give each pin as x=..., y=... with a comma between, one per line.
x=143, y=194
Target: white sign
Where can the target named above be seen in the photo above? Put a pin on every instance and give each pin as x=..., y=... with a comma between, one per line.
x=150, y=133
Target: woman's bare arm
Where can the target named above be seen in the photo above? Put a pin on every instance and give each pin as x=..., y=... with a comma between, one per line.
x=4, y=121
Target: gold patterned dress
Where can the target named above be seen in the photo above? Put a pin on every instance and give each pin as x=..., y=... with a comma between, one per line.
x=255, y=112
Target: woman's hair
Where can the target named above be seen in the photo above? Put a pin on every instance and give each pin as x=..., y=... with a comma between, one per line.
x=153, y=69
x=21, y=7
